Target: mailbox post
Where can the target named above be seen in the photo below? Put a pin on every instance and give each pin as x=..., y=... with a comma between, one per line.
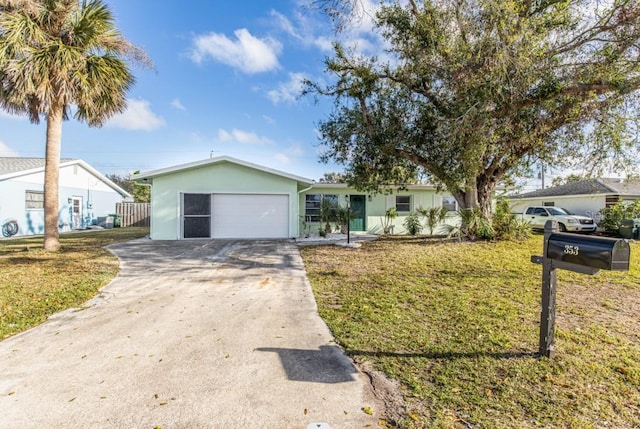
x=582, y=254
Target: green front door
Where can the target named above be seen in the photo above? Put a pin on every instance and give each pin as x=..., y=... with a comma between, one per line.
x=358, y=213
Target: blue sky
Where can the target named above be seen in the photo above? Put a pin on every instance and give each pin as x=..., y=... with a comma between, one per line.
x=226, y=79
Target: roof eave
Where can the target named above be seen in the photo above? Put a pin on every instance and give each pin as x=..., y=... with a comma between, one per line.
x=146, y=177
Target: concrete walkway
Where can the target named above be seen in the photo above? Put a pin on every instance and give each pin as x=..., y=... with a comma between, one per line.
x=191, y=334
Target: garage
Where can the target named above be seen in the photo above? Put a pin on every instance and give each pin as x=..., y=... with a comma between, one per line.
x=250, y=216
x=235, y=216
x=223, y=198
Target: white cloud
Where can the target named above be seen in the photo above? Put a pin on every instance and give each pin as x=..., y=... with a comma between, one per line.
x=282, y=158
x=293, y=151
x=288, y=91
x=296, y=149
x=240, y=136
x=304, y=30
x=6, y=150
x=246, y=52
x=177, y=104
x=138, y=116
x=269, y=120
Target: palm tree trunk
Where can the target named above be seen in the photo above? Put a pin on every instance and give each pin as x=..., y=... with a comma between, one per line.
x=52, y=178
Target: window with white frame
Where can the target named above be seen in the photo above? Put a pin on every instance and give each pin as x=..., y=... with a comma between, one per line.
x=313, y=203
x=34, y=200
x=403, y=203
x=449, y=203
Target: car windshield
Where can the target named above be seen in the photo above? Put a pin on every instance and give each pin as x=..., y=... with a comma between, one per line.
x=568, y=211
x=557, y=211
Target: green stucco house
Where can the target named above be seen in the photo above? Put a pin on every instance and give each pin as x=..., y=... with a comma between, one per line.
x=226, y=198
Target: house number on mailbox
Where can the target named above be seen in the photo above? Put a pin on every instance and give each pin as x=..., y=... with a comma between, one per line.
x=571, y=250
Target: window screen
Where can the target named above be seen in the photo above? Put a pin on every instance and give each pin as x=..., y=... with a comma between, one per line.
x=403, y=203
x=196, y=215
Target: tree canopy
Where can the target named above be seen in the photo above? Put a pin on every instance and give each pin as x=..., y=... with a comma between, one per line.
x=474, y=91
x=59, y=56
x=140, y=193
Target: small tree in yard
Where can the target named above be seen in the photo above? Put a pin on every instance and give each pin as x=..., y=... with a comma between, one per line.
x=434, y=216
x=327, y=214
x=55, y=54
x=412, y=223
x=507, y=225
x=342, y=218
x=389, y=216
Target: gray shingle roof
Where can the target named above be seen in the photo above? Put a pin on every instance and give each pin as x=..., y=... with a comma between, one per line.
x=14, y=165
x=588, y=187
x=623, y=186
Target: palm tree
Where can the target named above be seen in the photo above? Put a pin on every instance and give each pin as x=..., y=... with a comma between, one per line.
x=56, y=55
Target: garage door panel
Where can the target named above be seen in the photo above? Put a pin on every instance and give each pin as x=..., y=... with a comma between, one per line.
x=250, y=216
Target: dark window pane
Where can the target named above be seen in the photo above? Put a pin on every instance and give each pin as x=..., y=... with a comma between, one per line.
x=312, y=207
x=197, y=204
x=197, y=227
x=403, y=203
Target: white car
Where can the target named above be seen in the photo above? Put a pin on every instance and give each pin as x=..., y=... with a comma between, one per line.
x=539, y=215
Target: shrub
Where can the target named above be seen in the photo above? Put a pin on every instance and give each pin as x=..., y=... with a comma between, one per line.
x=389, y=216
x=412, y=223
x=474, y=225
x=434, y=216
x=508, y=226
x=613, y=215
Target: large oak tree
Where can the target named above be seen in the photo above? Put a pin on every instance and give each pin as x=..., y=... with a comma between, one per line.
x=57, y=56
x=473, y=91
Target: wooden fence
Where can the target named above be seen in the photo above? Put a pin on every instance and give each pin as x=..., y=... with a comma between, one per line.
x=134, y=214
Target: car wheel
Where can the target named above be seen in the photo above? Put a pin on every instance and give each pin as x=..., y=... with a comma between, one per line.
x=563, y=228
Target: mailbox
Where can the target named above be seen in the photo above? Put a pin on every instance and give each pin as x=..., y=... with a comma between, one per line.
x=595, y=252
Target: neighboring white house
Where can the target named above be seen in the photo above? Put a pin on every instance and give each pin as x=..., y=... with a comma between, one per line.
x=584, y=197
x=225, y=197
x=86, y=196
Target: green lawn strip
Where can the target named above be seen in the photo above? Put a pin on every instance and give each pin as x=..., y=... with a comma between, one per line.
x=458, y=323
x=35, y=284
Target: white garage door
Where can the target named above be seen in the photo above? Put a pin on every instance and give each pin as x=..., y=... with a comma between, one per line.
x=250, y=216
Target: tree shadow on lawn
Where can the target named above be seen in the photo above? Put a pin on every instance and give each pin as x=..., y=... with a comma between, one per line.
x=445, y=355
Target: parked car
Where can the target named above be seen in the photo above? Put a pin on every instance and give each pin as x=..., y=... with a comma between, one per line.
x=539, y=215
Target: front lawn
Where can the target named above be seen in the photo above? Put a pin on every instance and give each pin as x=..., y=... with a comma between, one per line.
x=35, y=284
x=457, y=325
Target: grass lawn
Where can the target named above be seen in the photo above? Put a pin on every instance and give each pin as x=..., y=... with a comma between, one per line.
x=457, y=325
x=35, y=284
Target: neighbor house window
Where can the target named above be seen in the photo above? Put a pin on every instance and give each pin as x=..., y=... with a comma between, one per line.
x=548, y=203
x=312, y=205
x=34, y=200
x=449, y=203
x=403, y=203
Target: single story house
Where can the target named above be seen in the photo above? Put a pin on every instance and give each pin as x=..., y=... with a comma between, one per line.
x=86, y=196
x=584, y=197
x=227, y=198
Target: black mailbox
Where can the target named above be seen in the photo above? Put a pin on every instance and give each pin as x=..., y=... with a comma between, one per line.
x=596, y=252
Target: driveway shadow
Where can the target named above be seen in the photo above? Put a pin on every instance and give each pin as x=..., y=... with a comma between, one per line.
x=327, y=365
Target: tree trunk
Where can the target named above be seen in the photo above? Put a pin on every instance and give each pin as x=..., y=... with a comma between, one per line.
x=478, y=197
x=52, y=178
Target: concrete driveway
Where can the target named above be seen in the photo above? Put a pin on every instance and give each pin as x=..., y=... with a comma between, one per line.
x=191, y=334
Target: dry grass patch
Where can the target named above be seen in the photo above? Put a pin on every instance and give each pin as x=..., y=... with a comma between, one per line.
x=457, y=324
x=35, y=284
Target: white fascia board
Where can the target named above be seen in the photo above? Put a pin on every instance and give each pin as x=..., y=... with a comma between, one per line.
x=140, y=177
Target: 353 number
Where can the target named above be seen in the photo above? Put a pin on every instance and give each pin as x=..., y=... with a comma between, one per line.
x=571, y=250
